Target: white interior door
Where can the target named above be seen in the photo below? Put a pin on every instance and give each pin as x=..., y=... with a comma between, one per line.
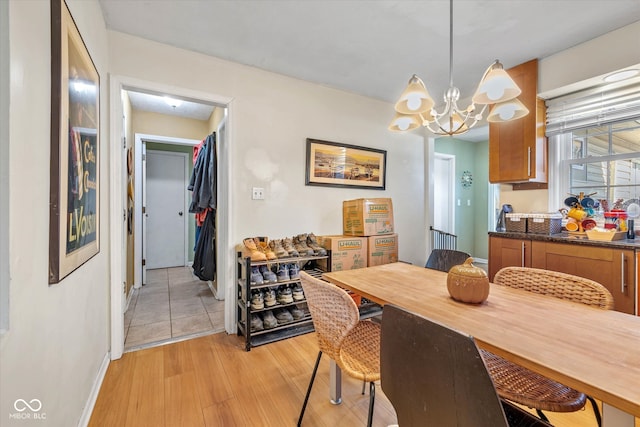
x=444, y=211
x=166, y=210
x=143, y=194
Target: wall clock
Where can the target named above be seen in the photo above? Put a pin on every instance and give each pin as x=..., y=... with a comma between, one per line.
x=467, y=179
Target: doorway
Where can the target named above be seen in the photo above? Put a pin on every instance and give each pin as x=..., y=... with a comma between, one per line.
x=119, y=86
x=444, y=189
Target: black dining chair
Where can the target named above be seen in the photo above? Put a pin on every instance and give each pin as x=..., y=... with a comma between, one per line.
x=444, y=259
x=436, y=376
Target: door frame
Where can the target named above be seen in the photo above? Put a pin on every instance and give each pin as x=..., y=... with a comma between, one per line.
x=451, y=187
x=140, y=140
x=224, y=258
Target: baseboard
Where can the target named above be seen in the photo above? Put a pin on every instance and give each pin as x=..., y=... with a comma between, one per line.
x=95, y=390
x=480, y=260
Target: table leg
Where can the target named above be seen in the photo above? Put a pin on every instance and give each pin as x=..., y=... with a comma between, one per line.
x=614, y=417
x=335, y=383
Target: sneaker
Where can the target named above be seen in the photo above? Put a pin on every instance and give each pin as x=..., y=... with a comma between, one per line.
x=262, y=244
x=294, y=271
x=287, y=244
x=256, y=323
x=268, y=320
x=283, y=273
x=298, y=293
x=255, y=254
x=256, y=277
x=284, y=295
x=300, y=243
x=268, y=275
x=270, y=298
x=276, y=247
x=296, y=313
x=257, y=300
x=283, y=316
x=312, y=242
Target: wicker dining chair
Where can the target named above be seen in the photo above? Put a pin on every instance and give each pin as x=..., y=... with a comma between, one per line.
x=523, y=386
x=352, y=343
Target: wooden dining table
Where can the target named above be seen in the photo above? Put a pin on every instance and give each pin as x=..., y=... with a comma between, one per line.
x=592, y=350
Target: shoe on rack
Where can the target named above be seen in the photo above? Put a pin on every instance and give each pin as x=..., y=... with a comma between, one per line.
x=257, y=300
x=297, y=293
x=262, y=243
x=300, y=243
x=294, y=271
x=256, y=323
x=287, y=244
x=268, y=275
x=312, y=242
x=278, y=249
x=256, y=255
x=270, y=298
x=284, y=295
x=256, y=277
x=269, y=320
x=283, y=316
x=283, y=273
x=296, y=312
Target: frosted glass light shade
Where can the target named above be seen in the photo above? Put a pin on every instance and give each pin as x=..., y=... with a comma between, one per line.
x=404, y=122
x=497, y=86
x=505, y=111
x=415, y=98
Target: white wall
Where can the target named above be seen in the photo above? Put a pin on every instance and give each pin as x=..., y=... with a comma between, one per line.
x=58, y=335
x=273, y=116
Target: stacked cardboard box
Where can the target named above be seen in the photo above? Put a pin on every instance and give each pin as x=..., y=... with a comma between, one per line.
x=373, y=219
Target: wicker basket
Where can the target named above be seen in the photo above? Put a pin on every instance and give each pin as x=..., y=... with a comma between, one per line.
x=544, y=223
x=516, y=222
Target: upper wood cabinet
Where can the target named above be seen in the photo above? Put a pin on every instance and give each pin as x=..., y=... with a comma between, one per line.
x=518, y=149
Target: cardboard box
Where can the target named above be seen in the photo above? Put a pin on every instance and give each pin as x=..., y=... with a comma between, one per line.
x=347, y=252
x=367, y=217
x=382, y=250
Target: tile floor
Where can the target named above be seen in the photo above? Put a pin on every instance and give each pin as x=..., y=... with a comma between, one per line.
x=173, y=303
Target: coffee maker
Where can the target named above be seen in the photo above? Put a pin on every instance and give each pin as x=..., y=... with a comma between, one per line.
x=502, y=217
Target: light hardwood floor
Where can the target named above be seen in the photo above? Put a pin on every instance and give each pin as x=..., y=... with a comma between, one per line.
x=211, y=381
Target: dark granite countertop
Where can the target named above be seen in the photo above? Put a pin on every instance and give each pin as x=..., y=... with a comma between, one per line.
x=633, y=244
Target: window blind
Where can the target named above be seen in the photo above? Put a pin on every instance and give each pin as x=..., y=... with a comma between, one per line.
x=593, y=107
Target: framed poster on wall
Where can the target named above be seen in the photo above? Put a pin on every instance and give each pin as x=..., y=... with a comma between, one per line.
x=74, y=196
x=334, y=164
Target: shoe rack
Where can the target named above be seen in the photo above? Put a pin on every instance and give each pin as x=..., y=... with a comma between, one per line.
x=244, y=287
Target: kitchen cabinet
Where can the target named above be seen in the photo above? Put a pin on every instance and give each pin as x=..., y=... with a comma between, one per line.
x=616, y=266
x=506, y=252
x=612, y=267
x=518, y=149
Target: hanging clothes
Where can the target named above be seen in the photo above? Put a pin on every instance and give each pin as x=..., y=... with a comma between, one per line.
x=204, y=259
x=203, y=177
x=203, y=204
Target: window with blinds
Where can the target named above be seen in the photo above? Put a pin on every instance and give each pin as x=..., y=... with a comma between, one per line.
x=595, y=143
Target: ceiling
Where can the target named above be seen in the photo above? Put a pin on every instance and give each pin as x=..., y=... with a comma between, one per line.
x=372, y=47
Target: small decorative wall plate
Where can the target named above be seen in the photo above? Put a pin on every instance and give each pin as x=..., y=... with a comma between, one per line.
x=467, y=179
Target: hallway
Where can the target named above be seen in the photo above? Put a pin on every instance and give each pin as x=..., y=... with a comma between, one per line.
x=173, y=304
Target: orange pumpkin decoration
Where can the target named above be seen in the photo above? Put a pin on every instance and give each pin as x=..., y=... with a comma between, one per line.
x=468, y=283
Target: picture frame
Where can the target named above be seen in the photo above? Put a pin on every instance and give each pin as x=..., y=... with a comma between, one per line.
x=334, y=164
x=74, y=196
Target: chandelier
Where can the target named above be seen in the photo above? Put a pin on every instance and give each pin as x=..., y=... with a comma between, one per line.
x=416, y=107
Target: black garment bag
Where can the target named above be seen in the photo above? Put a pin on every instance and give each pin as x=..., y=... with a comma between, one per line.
x=204, y=259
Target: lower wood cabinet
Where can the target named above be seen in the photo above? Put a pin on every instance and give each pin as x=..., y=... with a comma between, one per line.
x=504, y=252
x=612, y=267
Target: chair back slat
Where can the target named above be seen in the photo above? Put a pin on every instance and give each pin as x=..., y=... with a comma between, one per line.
x=444, y=259
x=556, y=284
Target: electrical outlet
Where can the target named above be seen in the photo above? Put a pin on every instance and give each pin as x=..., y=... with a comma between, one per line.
x=257, y=193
